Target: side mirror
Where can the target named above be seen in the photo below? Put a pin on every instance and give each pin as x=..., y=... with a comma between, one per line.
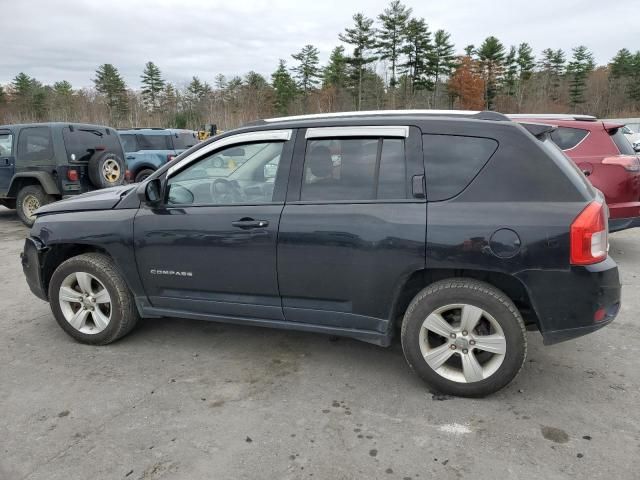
x=150, y=192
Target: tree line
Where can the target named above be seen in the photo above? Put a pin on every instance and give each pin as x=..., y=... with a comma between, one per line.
x=393, y=61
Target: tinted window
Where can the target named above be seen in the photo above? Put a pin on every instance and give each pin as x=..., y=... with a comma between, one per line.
x=567, y=138
x=347, y=169
x=451, y=162
x=34, y=145
x=153, y=142
x=6, y=144
x=82, y=142
x=237, y=174
x=184, y=140
x=623, y=144
x=129, y=142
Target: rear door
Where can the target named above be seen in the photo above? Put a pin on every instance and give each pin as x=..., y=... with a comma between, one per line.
x=7, y=160
x=353, y=228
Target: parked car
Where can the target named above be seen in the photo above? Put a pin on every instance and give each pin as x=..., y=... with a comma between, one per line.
x=148, y=149
x=605, y=156
x=631, y=129
x=44, y=162
x=456, y=230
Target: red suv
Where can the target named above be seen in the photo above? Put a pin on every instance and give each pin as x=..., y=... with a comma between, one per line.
x=605, y=156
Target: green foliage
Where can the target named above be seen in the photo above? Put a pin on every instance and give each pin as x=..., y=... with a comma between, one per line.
x=578, y=69
x=335, y=73
x=362, y=38
x=491, y=55
x=418, y=52
x=442, y=59
x=307, y=70
x=152, y=86
x=63, y=88
x=110, y=84
x=511, y=72
x=526, y=61
x=391, y=35
x=285, y=88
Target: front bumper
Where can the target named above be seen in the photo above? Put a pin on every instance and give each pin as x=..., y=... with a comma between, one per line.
x=571, y=303
x=31, y=258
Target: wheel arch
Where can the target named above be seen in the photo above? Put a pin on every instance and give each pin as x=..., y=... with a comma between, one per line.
x=508, y=284
x=58, y=253
x=44, y=179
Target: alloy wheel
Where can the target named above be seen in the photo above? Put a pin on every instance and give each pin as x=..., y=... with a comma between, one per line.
x=85, y=303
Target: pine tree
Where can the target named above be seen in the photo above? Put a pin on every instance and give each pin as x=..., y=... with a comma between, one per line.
x=22, y=86
x=63, y=88
x=558, y=61
x=362, y=38
x=578, y=70
x=442, y=59
x=285, y=88
x=418, y=51
x=511, y=72
x=491, y=56
x=307, y=71
x=634, y=87
x=391, y=35
x=152, y=86
x=109, y=83
x=335, y=73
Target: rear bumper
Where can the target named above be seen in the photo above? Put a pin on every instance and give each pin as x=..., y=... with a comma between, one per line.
x=617, y=224
x=571, y=303
x=31, y=258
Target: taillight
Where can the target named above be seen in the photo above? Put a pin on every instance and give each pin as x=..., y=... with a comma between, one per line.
x=170, y=157
x=128, y=175
x=72, y=175
x=589, y=235
x=629, y=163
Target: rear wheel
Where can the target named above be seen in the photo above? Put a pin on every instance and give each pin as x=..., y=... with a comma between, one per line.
x=30, y=199
x=464, y=337
x=143, y=175
x=91, y=301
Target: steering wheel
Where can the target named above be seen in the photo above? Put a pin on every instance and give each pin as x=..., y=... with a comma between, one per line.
x=225, y=191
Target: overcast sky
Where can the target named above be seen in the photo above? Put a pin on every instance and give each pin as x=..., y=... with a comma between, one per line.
x=54, y=39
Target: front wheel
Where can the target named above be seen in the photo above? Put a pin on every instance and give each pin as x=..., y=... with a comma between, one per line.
x=464, y=337
x=143, y=175
x=90, y=300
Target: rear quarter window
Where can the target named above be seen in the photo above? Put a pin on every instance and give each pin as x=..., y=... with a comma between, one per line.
x=623, y=144
x=567, y=138
x=452, y=161
x=35, y=145
x=184, y=140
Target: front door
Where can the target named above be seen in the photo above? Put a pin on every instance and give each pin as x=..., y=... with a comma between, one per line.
x=210, y=249
x=7, y=160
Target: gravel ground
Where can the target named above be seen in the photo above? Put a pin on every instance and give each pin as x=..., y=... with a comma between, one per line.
x=196, y=400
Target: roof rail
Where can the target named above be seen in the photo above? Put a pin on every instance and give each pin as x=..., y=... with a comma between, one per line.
x=363, y=113
x=144, y=128
x=553, y=116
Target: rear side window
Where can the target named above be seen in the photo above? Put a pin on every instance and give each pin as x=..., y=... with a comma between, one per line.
x=452, y=161
x=184, y=140
x=35, y=145
x=154, y=142
x=621, y=142
x=567, y=138
x=82, y=142
x=354, y=169
x=129, y=142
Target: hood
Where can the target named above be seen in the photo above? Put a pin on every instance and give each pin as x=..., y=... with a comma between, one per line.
x=104, y=199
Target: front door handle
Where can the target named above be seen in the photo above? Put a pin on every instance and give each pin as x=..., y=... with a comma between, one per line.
x=248, y=223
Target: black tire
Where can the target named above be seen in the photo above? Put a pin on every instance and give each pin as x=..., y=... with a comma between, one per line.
x=143, y=174
x=29, y=199
x=106, y=170
x=124, y=314
x=478, y=294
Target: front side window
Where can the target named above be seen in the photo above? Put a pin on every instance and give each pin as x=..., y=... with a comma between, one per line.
x=153, y=142
x=239, y=174
x=6, y=144
x=567, y=138
x=34, y=145
x=357, y=169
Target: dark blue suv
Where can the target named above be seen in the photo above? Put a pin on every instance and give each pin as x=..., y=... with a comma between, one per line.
x=456, y=230
x=147, y=149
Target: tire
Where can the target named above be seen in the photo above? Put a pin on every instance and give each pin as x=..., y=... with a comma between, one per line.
x=106, y=170
x=143, y=174
x=462, y=365
x=121, y=313
x=29, y=199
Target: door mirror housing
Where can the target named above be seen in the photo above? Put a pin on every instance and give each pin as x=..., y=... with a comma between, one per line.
x=150, y=192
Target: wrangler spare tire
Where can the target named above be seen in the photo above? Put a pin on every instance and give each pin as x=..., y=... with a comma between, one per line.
x=106, y=170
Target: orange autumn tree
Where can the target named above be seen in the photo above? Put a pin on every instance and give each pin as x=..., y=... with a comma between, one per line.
x=466, y=85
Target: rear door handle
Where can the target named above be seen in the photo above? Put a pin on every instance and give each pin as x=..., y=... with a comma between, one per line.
x=248, y=223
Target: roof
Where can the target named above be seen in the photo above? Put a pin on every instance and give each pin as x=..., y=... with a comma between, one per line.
x=154, y=130
x=55, y=124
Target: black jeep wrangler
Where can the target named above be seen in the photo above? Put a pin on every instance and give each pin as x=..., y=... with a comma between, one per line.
x=44, y=162
x=457, y=230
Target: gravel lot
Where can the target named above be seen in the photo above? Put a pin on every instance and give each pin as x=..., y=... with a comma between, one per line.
x=196, y=400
